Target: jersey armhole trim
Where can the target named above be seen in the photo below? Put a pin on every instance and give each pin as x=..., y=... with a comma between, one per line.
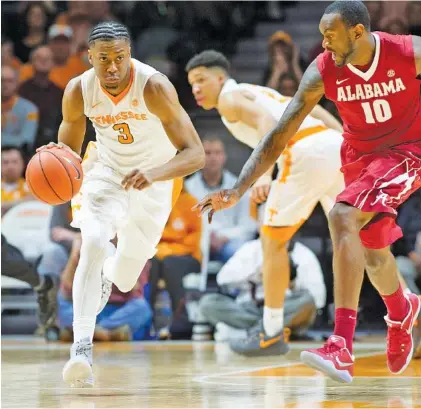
x=143, y=91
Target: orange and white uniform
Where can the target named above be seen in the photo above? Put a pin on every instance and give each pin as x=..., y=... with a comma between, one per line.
x=128, y=136
x=309, y=167
x=14, y=191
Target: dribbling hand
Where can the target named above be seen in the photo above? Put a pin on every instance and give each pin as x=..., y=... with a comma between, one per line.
x=217, y=201
x=137, y=180
x=60, y=145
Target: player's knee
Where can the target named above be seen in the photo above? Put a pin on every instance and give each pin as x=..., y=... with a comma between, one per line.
x=376, y=260
x=126, y=272
x=124, y=286
x=343, y=218
x=274, y=238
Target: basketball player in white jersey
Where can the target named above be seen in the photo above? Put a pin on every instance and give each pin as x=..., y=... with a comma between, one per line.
x=308, y=173
x=130, y=186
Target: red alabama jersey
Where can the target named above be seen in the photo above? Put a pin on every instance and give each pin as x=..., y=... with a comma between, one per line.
x=380, y=107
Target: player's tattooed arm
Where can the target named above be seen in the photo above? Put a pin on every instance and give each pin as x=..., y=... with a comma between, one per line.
x=71, y=133
x=162, y=100
x=416, y=40
x=310, y=91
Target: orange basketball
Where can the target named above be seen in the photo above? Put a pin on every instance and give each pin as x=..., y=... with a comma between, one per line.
x=54, y=176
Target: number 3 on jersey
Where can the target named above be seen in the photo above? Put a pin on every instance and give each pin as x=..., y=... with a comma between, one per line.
x=124, y=136
x=380, y=108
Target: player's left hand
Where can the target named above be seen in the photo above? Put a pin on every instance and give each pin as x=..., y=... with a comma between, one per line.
x=217, y=201
x=137, y=180
x=260, y=190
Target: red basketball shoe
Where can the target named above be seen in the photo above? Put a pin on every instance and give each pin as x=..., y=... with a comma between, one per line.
x=333, y=359
x=400, y=345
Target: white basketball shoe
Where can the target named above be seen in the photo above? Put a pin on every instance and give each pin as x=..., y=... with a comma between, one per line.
x=77, y=372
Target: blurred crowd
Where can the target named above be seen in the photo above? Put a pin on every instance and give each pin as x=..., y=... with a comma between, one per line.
x=44, y=45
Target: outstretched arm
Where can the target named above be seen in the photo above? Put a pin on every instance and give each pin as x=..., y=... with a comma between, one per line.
x=416, y=40
x=162, y=100
x=310, y=91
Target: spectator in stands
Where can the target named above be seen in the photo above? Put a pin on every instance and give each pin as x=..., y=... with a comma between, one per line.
x=57, y=252
x=123, y=316
x=288, y=85
x=408, y=249
x=44, y=94
x=36, y=19
x=72, y=7
x=233, y=227
x=13, y=186
x=8, y=54
x=14, y=265
x=413, y=15
x=65, y=68
x=81, y=26
x=178, y=252
x=242, y=276
x=101, y=11
x=284, y=58
x=19, y=124
x=393, y=10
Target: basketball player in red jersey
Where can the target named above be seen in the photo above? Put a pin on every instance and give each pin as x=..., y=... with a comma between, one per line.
x=372, y=78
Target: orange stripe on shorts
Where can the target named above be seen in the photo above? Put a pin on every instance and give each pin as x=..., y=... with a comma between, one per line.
x=286, y=171
x=176, y=190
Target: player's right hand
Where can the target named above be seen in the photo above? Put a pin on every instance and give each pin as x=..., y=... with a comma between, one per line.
x=217, y=201
x=60, y=145
x=260, y=190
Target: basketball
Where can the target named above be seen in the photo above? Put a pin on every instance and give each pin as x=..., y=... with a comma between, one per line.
x=54, y=176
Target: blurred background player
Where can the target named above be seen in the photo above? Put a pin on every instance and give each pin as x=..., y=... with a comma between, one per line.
x=304, y=178
x=129, y=189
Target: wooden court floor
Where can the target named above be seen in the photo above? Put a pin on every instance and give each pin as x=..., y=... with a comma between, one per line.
x=200, y=375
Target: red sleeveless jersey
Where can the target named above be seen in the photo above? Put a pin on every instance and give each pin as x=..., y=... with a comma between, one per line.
x=380, y=107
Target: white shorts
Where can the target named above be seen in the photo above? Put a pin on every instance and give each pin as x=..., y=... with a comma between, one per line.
x=309, y=172
x=137, y=217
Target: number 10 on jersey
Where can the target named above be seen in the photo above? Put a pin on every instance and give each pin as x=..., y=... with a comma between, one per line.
x=124, y=134
x=377, y=111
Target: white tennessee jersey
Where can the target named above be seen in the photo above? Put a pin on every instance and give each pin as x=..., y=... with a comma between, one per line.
x=270, y=100
x=128, y=135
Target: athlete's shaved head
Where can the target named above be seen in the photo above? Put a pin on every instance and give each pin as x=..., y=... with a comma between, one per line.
x=345, y=25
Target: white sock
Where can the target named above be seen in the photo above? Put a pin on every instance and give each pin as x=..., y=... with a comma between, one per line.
x=273, y=320
x=407, y=291
x=87, y=288
x=83, y=328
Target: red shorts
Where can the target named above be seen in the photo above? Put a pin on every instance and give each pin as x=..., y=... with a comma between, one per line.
x=380, y=182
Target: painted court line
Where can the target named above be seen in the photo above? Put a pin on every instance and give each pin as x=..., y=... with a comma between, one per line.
x=64, y=347
x=208, y=378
